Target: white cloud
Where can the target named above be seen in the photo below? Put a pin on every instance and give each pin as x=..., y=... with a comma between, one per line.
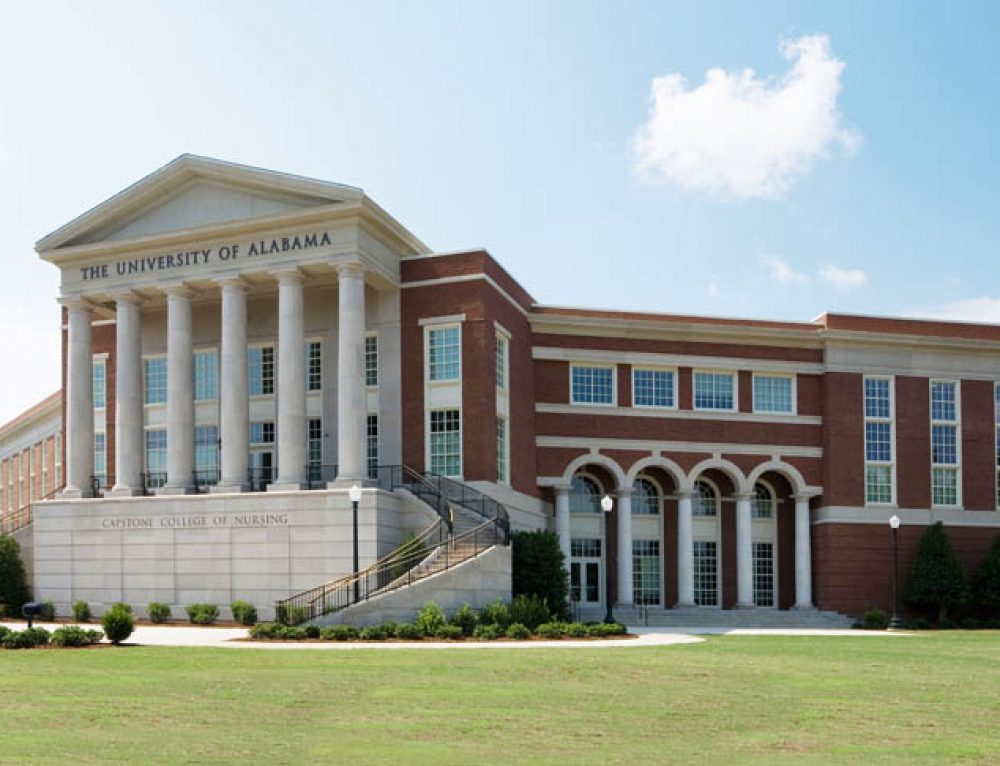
x=844, y=279
x=741, y=135
x=713, y=287
x=782, y=273
x=983, y=309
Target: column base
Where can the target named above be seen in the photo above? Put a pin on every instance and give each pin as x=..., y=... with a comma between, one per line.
x=70, y=492
x=168, y=491
x=346, y=482
x=685, y=605
x=804, y=608
x=228, y=489
x=286, y=486
x=739, y=605
x=121, y=490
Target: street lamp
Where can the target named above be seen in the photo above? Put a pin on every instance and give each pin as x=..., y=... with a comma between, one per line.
x=355, y=494
x=895, y=623
x=606, y=505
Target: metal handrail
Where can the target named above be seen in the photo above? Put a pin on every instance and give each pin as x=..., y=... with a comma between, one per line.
x=20, y=517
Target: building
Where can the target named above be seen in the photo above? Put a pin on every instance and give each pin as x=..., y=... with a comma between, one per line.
x=242, y=346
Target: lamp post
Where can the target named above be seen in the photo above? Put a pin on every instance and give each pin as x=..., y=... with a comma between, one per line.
x=355, y=494
x=606, y=505
x=895, y=623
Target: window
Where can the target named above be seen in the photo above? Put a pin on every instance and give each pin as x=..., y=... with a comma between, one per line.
x=446, y=443
x=314, y=449
x=592, y=385
x=156, y=457
x=773, y=393
x=444, y=353
x=260, y=370
x=762, y=503
x=652, y=388
x=206, y=376
x=262, y=432
x=714, y=391
x=502, y=347
x=100, y=461
x=371, y=360
x=206, y=454
x=155, y=376
x=502, y=462
x=645, y=498
x=372, y=446
x=879, y=442
x=585, y=548
x=646, y=571
x=946, y=452
x=100, y=384
x=314, y=365
x=584, y=495
x=584, y=576
x=996, y=418
x=763, y=574
x=706, y=573
x=705, y=501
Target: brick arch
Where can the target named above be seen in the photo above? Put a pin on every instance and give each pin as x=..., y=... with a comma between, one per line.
x=597, y=460
x=730, y=469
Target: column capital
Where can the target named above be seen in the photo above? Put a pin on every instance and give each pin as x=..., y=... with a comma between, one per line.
x=288, y=275
x=745, y=496
x=561, y=489
x=683, y=494
x=350, y=269
x=76, y=302
x=807, y=496
x=178, y=290
x=232, y=282
x=622, y=493
x=127, y=296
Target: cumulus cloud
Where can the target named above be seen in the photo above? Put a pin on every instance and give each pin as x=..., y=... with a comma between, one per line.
x=741, y=135
x=781, y=272
x=843, y=279
x=983, y=309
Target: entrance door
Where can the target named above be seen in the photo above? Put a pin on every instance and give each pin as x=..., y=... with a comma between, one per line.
x=585, y=580
x=261, y=469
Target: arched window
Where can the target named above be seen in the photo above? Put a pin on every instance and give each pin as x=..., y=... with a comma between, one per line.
x=762, y=505
x=584, y=495
x=645, y=498
x=706, y=500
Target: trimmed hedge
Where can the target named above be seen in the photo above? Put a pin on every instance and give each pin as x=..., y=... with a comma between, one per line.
x=81, y=611
x=74, y=635
x=118, y=623
x=203, y=614
x=157, y=612
x=244, y=612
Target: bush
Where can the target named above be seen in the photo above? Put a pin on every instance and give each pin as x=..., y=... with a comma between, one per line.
x=518, y=631
x=13, y=581
x=465, y=618
x=551, y=630
x=448, y=632
x=266, y=630
x=971, y=623
x=203, y=614
x=291, y=615
x=576, y=630
x=540, y=570
x=495, y=613
x=938, y=580
x=118, y=624
x=157, y=612
x=947, y=624
x=605, y=629
x=430, y=618
x=292, y=633
x=74, y=635
x=408, y=632
x=530, y=611
x=919, y=623
x=339, y=633
x=243, y=612
x=26, y=639
x=48, y=611
x=123, y=606
x=374, y=633
x=81, y=611
x=312, y=631
x=489, y=632
x=875, y=619
x=4, y=632
x=986, y=586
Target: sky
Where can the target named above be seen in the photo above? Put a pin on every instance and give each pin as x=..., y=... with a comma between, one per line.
x=767, y=159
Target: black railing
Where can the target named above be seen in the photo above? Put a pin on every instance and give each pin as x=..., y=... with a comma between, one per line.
x=318, y=475
x=205, y=479
x=258, y=479
x=471, y=499
x=152, y=481
x=100, y=483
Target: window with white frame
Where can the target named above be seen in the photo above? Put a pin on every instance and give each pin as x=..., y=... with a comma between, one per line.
x=372, y=445
x=584, y=495
x=262, y=432
x=763, y=573
x=100, y=383
x=444, y=353
x=774, y=393
x=206, y=376
x=206, y=454
x=645, y=498
x=446, y=442
x=503, y=469
x=156, y=457
x=501, y=365
x=646, y=571
x=762, y=502
x=705, y=501
x=706, y=573
x=714, y=391
x=100, y=461
x=652, y=388
x=879, y=441
x=314, y=448
x=946, y=450
x=260, y=370
x=371, y=359
x=314, y=365
x=155, y=380
x=592, y=385
x=58, y=460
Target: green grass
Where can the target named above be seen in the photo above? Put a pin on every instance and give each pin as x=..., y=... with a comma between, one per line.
x=931, y=698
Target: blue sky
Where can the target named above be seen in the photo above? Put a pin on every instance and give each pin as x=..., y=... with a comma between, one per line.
x=854, y=170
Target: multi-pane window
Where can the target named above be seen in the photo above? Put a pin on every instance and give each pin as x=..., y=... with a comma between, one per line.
x=262, y=432
x=584, y=577
x=773, y=393
x=652, y=388
x=446, y=442
x=705, y=501
x=763, y=574
x=502, y=462
x=585, y=547
x=879, y=452
x=762, y=503
x=314, y=365
x=155, y=380
x=314, y=449
x=156, y=457
x=260, y=370
x=714, y=391
x=592, y=385
x=706, y=573
x=206, y=376
x=645, y=498
x=372, y=445
x=100, y=461
x=206, y=454
x=584, y=495
x=646, y=571
x=444, y=353
x=100, y=384
x=371, y=360
x=946, y=464
x=501, y=368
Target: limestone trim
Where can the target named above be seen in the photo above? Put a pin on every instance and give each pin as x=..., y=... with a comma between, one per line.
x=672, y=413
x=879, y=515
x=653, y=446
x=673, y=361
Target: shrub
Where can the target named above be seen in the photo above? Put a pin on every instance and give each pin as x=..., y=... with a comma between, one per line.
x=465, y=618
x=339, y=633
x=576, y=630
x=986, y=587
x=540, y=570
x=13, y=581
x=530, y=611
x=409, y=632
x=123, y=606
x=203, y=614
x=971, y=623
x=292, y=633
x=495, y=613
x=938, y=580
x=48, y=611
x=118, y=624
x=517, y=630
x=605, y=629
x=266, y=630
x=947, y=624
x=243, y=612
x=550, y=630
x=312, y=631
x=919, y=623
x=81, y=611
x=875, y=619
x=430, y=618
x=373, y=633
x=489, y=632
x=74, y=635
x=448, y=632
x=4, y=632
x=26, y=639
x=291, y=615
x=157, y=612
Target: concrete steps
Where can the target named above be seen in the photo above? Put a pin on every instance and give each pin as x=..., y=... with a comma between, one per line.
x=657, y=617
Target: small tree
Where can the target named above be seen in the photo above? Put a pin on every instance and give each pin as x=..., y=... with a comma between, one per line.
x=13, y=581
x=540, y=569
x=938, y=580
x=987, y=582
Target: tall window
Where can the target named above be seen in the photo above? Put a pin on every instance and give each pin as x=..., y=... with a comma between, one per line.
x=206, y=454
x=502, y=348
x=773, y=393
x=714, y=391
x=705, y=501
x=946, y=465
x=314, y=365
x=262, y=432
x=372, y=446
x=592, y=385
x=763, y=574
x=706, y=573
x=206, y=376
x=652, y=388
x=156, y=457
x=100, y=461
x=645, y=498
x=314, y=449
x=444, y=353
x=646, y=571
x=502, y=456
x=584, y=495
x=155, y=380
x=762, y=503
x=446, y=442
x=260, y=370
x=100, y=384
x=879, y=484
x=371, y=360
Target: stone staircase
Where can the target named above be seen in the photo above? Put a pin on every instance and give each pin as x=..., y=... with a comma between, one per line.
x=658, y=617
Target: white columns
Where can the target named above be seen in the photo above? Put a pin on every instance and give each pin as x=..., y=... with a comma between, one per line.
x=291, y=383
x=180, y=393
x=235, y=408
x=744, y=554
x=351, y=407
x=562, y=522
x=79, y=402
x=803, y=555
x=685, y=551
x=625, y=546
x=129, y=446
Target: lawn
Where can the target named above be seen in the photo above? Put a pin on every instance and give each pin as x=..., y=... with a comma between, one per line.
x=930, y=698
